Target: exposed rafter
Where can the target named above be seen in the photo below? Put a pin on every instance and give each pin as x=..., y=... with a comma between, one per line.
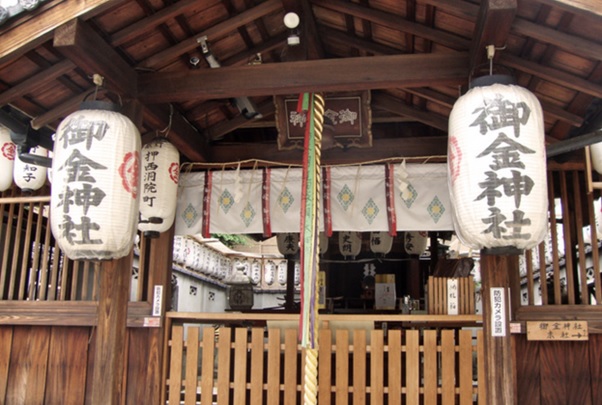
x=86, y=49
x=160, y=59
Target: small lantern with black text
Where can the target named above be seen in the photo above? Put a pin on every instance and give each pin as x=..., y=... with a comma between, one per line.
x=160, y=171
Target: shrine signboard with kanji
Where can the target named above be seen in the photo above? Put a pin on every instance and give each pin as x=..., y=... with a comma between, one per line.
x=557, y=330
x=348, y=115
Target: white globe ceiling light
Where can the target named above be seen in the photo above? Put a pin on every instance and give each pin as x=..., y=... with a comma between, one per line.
x=291, y=21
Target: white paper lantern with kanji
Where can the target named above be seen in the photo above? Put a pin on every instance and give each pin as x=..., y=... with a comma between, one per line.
x=96, y=181
x=497, y=167
x=415, y=242
x=596, y=154
x=160, y=164
x=350, y=243
x=381, y=242
x=28, y=176
x=8, y=150
x=288, y=243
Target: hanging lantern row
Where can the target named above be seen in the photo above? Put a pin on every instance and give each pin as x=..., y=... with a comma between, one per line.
x=496, y=166
x=96, y=176
x=27, y=176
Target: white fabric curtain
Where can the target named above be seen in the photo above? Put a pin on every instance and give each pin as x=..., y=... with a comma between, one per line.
x=357, y=199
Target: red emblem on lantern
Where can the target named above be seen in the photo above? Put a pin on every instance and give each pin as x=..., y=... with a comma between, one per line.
x=174, y=172
x=129, y=172
x=8, y=150
x=455, y=158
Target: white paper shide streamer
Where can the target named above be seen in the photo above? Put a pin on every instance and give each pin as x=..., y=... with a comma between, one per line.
x=497, y=168
x=160, y=162
x=95, y=190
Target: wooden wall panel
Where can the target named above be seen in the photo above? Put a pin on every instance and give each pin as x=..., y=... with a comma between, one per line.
x=578, y=373
x=595, y=366
x=137, y=389
x=553, y=373
x=67, y=366
x=527, y=370
x=6, y=342
x=28, y=365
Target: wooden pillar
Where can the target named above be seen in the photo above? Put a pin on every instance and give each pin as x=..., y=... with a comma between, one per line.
x=109, y=354
x=500, y=370
x=160, y=268
x=289, y=302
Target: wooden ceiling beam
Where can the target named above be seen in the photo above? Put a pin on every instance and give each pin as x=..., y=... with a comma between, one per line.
x=86, y=49
x=17, y=39
x=396, y=106
x=587, y=8
x=213, y=33
x=493, y=28
x=377, y=72
x=395, y=22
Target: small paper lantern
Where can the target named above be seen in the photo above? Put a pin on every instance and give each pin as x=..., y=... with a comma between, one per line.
x=414, y=243
x=179, y=245
x=255, y=272
x=497, y=167
x=282, y=272
x=381, y=242
x=350, y=243
x=8, y=150
x=95, y=189
x=297, y=273
x=269, y=272
x=288, y=243
x=323, y=243
x=160, y=172
x=28, y=176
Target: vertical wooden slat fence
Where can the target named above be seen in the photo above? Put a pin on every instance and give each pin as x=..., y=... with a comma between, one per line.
x=33, y=268
x=564, y=269
x=261, y=365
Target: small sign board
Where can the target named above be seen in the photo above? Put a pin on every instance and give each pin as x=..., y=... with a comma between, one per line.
x=557, y=330
x=498, y=309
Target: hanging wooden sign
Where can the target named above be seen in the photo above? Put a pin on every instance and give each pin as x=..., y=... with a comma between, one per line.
x=347, y=114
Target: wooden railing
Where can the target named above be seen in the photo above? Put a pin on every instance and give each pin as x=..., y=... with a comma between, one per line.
x=254, y=361
x=33, y=268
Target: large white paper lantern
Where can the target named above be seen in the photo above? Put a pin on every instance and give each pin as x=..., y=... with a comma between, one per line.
x=96, y=181
x=28, y=176
x=160, y=162
x=8, y=150
x=596, y=154
x=497, y=167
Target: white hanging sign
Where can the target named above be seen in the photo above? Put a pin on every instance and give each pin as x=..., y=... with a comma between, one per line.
x=453, y=301
x=498, y=312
